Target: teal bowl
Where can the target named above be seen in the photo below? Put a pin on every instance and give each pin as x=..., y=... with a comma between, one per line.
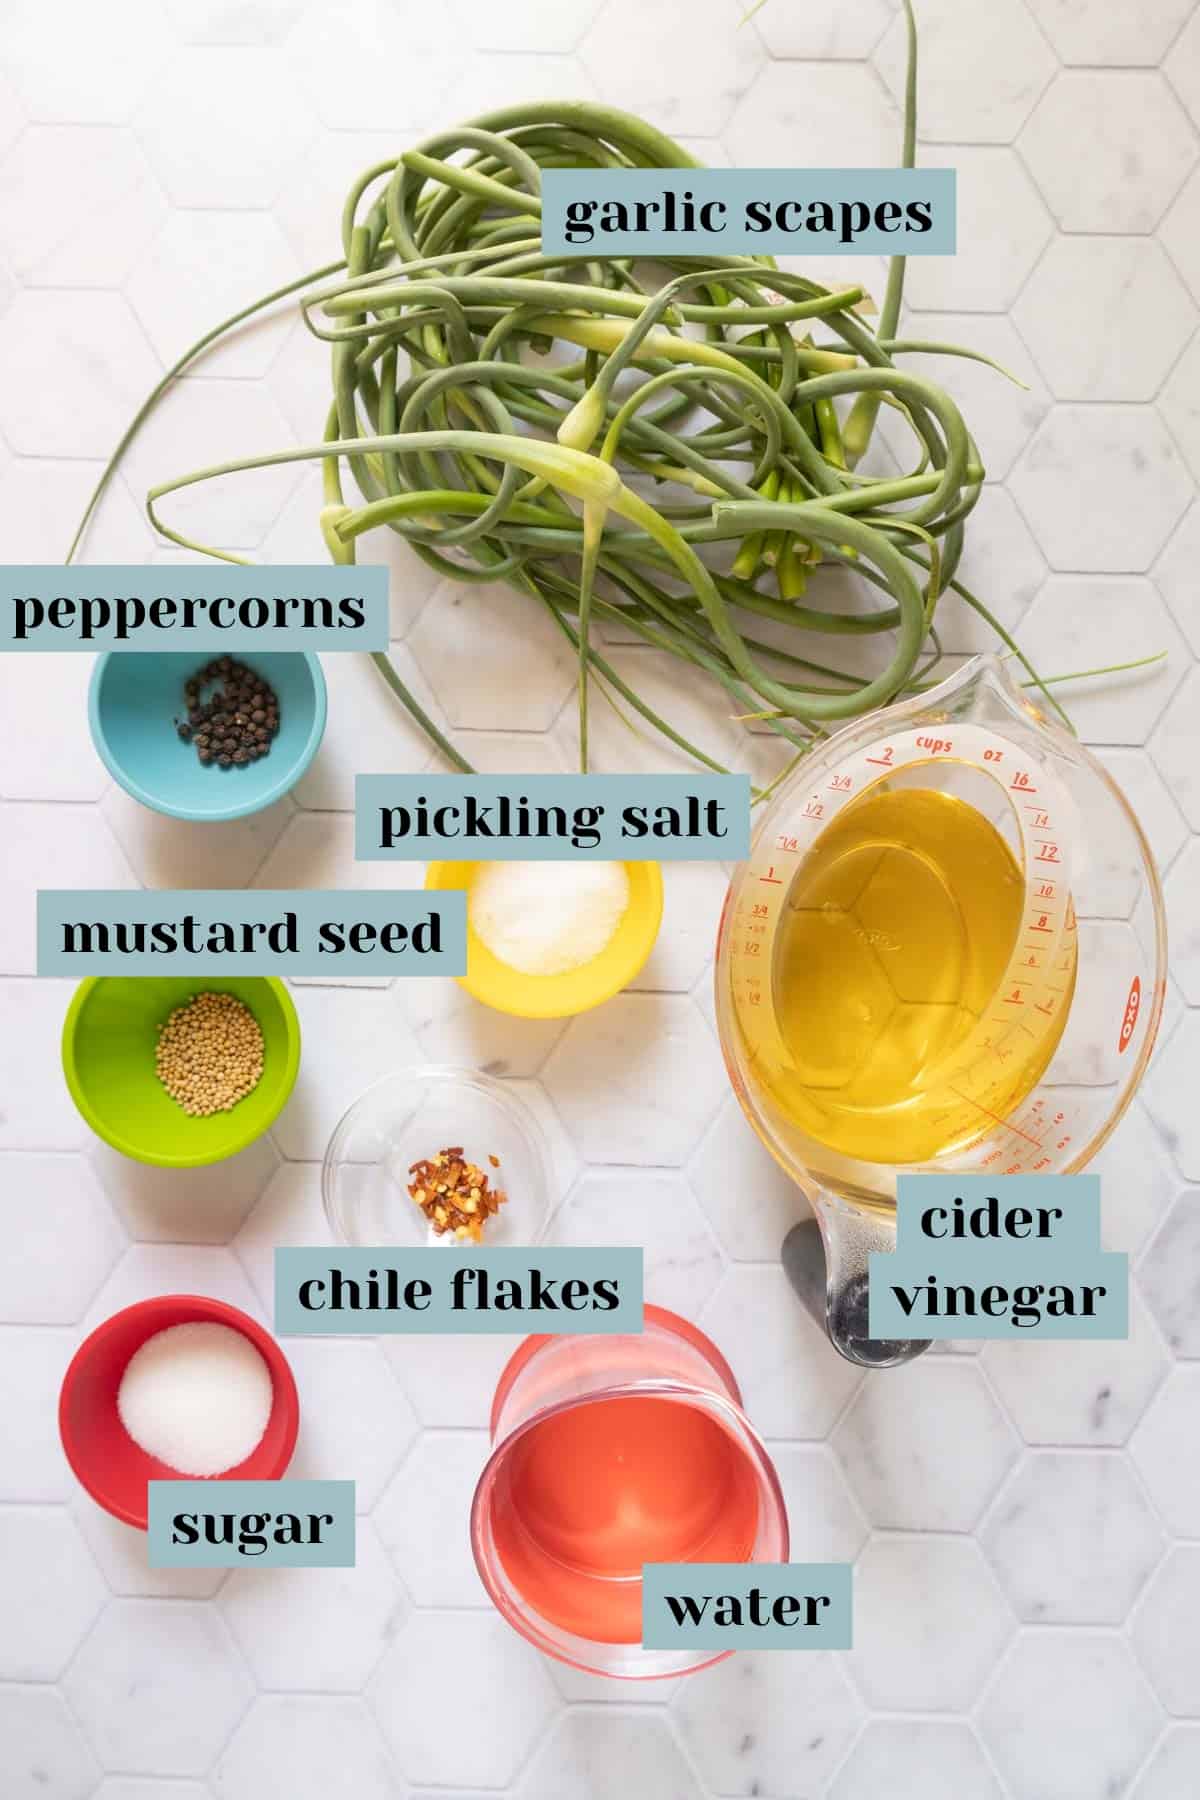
x=134, y=699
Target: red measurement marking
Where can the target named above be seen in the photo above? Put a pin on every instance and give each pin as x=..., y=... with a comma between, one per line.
x=841, y=784
x=788, y=843
x=760, y=910
x=1021, y=783
x=884, y=761
x=997, y=1120
x=770, y=879
x=814, y=810
x=1047, y=1010
x=1047, y=853
x=1045, y=890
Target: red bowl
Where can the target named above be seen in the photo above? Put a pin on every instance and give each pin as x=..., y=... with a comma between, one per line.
x=108, y=1463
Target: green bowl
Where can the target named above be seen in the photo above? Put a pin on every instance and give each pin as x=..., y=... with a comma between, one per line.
x=108, y=1044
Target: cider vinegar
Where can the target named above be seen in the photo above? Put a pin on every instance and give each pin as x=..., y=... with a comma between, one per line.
x=892, y=946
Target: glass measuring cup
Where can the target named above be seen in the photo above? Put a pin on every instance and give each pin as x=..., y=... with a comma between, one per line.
x=1035, y=1078
x=609, y=1452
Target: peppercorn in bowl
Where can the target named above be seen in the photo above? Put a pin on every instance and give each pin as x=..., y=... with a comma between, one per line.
x=207, y=738
x=179, y=1071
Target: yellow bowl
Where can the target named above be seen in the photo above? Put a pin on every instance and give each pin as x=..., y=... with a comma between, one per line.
x=561, y=996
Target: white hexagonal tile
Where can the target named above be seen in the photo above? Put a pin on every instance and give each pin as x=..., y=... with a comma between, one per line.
x=322, y=1636
x=33, y=1361
x=1173, y=748
x=794, y=1384
x=233, y=21
x=981, y=69
x=1116, y=283
x=422, y=1518
x=46, y=749
x=1000, y=415
x=116, y=206
x=56, y=70
x=826, y=1521
x=1169, y=1275
x=185, y=1206
x=1174, y=1769
x=42, y=501
x=315, y=850
x=13, y=118
x=1151, y=801
x=1166, y=1631
x=417, y=1689
x=497, y=643
x=356, y=1421
x=309, y=203
x=1079, y=452
x=288, y=1212
x=69, y=1240
x=1179, y=233
x=451, y=1027
x=173, y=853
x=38, y=1113
x=652, y=1208
x=71, y=376
x=149, y=1787
x=309, y=1747
x=528, y=24
x=623, y=743
x=452, y=1384
x=688, y=81
x=940, y=1760
x=1169, y=1095
x=1068, y=1716
x=1179, y=404
x=750, y=1202
x=52, y=1592
x=1079, y=1392
x=1182, y=66
x=637, y=1080
x=1175, y=580
x=1182, y=922
x=120, y=1553
x=1166, y=1451
x=42, y=1752
x=771, y=1724
x=1080, y=622
x=823, y=30
x=930, y=1623
x=927, y=1452
x=376, y=39
x=1072, y=1538
x=385, y=741
x=158, y=1687
x=693, y=895
x=489, y=79
x=1137, y=1183
x=591, y=1753
x=795, y=111
x=202, y=267
x=1091, y=32
x=1131, y=147
x=149, y=1269
x=351, y=1037
x=202, y=423
x=1003, y=227
x=997, y=540
x=76, y=844
x=264, y=126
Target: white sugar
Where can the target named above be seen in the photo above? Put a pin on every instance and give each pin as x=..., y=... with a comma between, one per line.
x=543, y=918
x=197, y=1397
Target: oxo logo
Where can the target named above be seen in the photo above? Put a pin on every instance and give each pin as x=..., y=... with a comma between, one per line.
x=1131, y=1012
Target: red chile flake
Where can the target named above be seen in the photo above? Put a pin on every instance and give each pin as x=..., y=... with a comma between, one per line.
x=235, y=723
x=455, y=1195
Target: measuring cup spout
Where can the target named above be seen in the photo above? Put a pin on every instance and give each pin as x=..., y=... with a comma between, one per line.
x=825, y=1259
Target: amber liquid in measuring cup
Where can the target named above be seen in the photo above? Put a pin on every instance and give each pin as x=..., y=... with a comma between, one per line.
x=893, y=945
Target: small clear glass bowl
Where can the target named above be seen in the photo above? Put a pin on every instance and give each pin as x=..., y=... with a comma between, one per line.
x=411, y=1115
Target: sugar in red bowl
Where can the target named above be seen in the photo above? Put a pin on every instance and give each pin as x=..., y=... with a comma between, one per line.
x=104, y=1457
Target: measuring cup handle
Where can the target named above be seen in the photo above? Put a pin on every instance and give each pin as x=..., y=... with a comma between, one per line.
x=825, y=1258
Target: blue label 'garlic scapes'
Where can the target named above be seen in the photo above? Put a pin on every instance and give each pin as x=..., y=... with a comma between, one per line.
x=743, y=397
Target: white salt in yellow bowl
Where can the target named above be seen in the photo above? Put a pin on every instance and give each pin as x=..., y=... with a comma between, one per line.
x=509, y=990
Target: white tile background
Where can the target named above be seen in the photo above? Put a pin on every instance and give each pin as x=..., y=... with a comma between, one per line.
x=1025, y=1521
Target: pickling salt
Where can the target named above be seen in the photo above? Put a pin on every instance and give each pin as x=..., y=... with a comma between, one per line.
x=543, y=918
x=197, y=1397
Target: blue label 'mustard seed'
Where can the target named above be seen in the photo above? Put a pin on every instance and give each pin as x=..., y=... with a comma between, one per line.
x=1010, y=1256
